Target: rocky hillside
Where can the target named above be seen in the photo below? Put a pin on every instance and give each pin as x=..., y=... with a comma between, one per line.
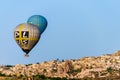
x=101, y=66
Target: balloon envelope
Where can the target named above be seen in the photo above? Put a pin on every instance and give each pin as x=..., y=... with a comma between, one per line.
x=39, y=21
x=26, y=36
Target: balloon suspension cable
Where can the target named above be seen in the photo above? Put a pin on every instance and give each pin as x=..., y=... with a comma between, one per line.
x=26, y=55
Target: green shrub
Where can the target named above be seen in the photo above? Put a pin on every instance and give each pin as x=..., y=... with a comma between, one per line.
x=1, y=74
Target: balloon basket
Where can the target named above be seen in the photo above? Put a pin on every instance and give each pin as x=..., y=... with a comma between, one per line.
x=26, y=55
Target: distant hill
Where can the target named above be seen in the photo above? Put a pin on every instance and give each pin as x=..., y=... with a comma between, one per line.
x=104, y=66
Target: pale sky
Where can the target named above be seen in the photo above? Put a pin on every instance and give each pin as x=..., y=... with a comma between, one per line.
x=76, y=28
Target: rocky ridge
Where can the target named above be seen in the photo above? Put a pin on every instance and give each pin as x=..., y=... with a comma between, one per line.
x=101, y=66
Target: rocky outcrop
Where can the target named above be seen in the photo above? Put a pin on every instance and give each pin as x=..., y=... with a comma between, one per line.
x=100, y=66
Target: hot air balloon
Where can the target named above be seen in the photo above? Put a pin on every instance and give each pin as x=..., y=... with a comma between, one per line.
x=39, y=21
x=26, y=36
